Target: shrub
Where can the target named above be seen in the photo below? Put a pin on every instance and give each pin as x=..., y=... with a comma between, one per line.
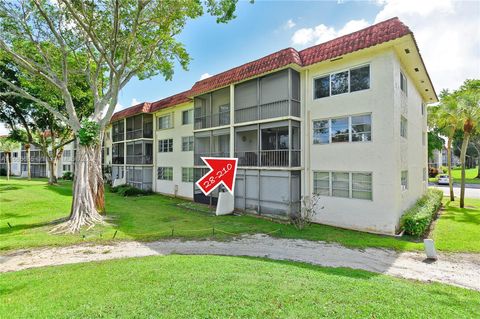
x=432, y=172
x=3, y=172
x=418, y=218
x=128, y=190
x=67, y=176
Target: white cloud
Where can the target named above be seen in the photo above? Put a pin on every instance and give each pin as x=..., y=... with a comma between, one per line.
x=134, y=102
x=119, y=107
x=204, y=76
x=289, y=24
x=447, y=33
x=322, y=33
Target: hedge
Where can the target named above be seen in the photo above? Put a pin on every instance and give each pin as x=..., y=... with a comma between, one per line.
x=127, y=190
x=418, y=218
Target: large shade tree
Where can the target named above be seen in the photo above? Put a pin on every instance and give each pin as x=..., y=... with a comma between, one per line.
x=109, y=42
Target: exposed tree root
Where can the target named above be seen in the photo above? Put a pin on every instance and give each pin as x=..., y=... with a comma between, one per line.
x=73, y=226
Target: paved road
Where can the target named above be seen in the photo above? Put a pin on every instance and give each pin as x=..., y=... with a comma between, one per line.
x=469, y=192
x=456, y=269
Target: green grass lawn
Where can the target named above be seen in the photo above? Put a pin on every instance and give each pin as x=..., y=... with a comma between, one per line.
x=30, y=206
x=470, y=175
x=223, y=287
x=458, y=229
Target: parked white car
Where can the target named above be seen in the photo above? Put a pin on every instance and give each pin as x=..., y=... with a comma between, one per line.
x=443, y=179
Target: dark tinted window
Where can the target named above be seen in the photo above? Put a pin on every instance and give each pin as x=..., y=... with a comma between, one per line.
x=322, y=87
x=360, y=78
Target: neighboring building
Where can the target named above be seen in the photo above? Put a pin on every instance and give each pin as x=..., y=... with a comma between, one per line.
x=344, y=120
x=439, y=158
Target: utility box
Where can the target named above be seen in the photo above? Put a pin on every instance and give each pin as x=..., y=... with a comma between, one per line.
x=225, y=204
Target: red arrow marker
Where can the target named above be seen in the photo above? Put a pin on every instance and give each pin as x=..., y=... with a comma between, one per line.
x=222, y=171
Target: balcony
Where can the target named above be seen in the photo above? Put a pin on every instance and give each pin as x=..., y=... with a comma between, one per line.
x=268, y=110
x=212, y=109
x=211, y=144
x=268, y=145
x=139, y=153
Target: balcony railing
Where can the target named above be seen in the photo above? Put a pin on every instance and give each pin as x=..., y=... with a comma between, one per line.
x=198, y=156
x=139, y=159
x=267, y=111
x=269, y=158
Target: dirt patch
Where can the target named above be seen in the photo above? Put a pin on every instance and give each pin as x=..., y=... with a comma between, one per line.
x=457, y=269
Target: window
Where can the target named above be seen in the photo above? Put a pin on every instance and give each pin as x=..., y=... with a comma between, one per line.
x=361, y=128
x=339, y=130
x=355, y=79
x=187, y=143
x=404, y=180
x=360, y=78
x=165, y=173
x=187, y=117
x=165, y=122
x=322, y=87
x=321, y=132
x=165, y=146
x=423, y=108
x=108, y=151
x=356, y=185
x=403, y=83
x=403, y=127
x=362, y=185
x=340, y=184
x=15, y=154
x=339, y=83
x=321, y=183
x=424, y=137
x=67, y=153
x=356, y=128
x=66, y=168
x=187, y=174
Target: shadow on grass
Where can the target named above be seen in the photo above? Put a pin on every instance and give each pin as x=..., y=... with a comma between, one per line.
x=461, y=215
x=62, y=188
x=9, y=187
x=14, y=227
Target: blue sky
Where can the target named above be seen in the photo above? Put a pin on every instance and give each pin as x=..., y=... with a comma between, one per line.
x=447, y=33
x=259, y=29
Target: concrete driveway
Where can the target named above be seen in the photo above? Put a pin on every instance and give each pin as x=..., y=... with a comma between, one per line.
x=469, y=191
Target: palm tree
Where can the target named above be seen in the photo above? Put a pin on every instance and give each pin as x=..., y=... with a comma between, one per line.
x=7, y=146
x=469, y=111
x=445, y=118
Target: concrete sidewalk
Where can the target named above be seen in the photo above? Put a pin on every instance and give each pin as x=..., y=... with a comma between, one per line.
x=456, y=269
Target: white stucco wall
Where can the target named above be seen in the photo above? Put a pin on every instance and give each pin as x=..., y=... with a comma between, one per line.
x=176, y=159
x=381, y=155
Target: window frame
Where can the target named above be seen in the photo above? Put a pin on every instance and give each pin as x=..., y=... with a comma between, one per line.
x=350, y=134
x=349, y=84
x=403, y=127
x=169, y=145
x=171, y=121
x=403, y=83
x=189, y=143
x=163, y=169
x=190, y=178
x=192, y=116
x=402, y=186
x=350, y=184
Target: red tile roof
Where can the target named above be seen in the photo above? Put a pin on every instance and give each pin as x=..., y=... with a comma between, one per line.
x=143, y=107
x=385, y=31
x=381, y=32
x=170, y=101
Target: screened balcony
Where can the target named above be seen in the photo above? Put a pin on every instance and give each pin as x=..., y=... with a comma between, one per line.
x=139, y=126
x=139, y=152
x=271, y=96
x=268, y=145
x=36, y=157
x=118, y=131
x=211, y=144
x=212, y=109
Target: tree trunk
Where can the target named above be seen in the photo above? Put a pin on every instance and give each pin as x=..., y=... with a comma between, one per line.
x=478, y=163
x=449, y=166
x=84, y=210
x=52, y=167
x=29, y=173
x=463, y=154
x=99, y=188
x=7, y=155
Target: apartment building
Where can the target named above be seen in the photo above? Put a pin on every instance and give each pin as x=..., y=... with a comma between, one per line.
x=344, y=122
